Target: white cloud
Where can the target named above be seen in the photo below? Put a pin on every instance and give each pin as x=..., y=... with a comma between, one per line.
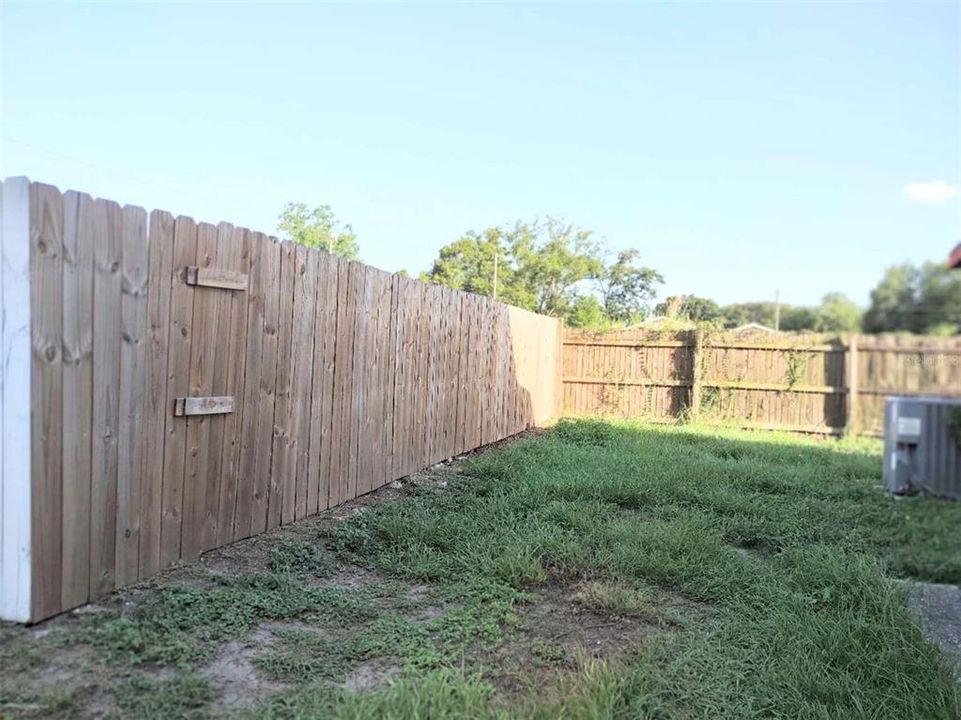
x=935, y=191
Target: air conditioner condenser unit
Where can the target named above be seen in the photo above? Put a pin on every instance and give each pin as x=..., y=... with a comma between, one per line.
x=922, y=445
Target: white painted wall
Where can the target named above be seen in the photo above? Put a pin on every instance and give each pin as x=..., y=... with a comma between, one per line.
x=15, y=400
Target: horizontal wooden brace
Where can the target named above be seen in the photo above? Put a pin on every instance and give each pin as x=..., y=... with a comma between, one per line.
x=208, y=405
x=723, y=384
x=212, y=277
x=626, y=381
x=644, y=344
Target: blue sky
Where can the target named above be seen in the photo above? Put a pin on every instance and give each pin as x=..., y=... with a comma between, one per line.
x=742, y=148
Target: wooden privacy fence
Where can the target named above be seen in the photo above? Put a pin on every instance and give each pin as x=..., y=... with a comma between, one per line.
x=800, y=383
x=172, y=386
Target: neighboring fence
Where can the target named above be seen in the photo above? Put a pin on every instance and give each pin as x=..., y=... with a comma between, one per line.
x=800, y=383
x=172, y=386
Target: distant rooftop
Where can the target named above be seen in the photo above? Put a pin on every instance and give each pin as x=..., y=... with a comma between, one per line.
x=754, y=327
x=955, y=259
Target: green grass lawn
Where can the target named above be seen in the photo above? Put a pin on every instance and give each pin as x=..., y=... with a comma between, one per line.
x=596, y=570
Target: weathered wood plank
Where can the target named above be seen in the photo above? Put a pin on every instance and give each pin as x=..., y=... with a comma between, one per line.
x=360, y=291
x=15, y=486
x=283, y=463
x=302, y=374
x=390, y=388
x=210, y=456
x=178, y=385
x=377, y=364
x=204, y=342
x=343, y=384
x=106, y=232
x=235, y=253
x=133, y=361
x=247, y=478
x=160, y=244
x=325, y=341
x=204, y=405
x=216, y=277
x=77, y=397
x=264, y=484
x=46, y=396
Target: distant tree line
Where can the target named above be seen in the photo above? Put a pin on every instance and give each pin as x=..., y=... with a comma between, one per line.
x=835, y=313
x=551, y=267
x=559, y=269
x=921, y=299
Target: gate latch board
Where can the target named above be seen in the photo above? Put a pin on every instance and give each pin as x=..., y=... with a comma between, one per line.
x=212, y=277
x=209, y=405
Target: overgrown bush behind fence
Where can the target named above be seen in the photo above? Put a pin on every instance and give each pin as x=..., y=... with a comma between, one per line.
x=801, y=383
x=316, y=380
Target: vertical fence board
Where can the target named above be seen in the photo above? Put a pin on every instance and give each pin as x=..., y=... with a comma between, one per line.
x=302, y=361
x=283, y=463
x=77, y=316
x=133, y=360
x=343, y=362
x=160, y=252
x=16, y=576
x=205, y=346
x=46, y=388
x=210, y=458
x=106, y=228
x=390, y=367
x=253, y=369
x=263, y=441
x=235, y=253
x=321, y=410
x=401, y=383
x=178, y=385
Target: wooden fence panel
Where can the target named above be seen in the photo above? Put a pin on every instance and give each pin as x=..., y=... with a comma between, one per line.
x=342, y=378
x=796, y=383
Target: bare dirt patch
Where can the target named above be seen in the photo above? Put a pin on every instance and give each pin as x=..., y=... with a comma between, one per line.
x=233, y=672
x=557, y=634
x=370, y=675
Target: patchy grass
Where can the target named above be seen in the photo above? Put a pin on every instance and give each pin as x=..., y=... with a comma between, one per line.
x=597, y=570
x=617, y=599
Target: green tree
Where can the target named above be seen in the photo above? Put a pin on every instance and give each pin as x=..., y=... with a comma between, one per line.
x=797, y=318
x=548, y=267
x=587, y=312
x=837, y=313
x=627, y=287
x=551, y=258
x=739, y=314
x=318, y=228
x=918, y=299
x=690, y=307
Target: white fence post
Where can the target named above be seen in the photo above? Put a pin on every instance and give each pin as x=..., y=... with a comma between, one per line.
x=15, y=487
